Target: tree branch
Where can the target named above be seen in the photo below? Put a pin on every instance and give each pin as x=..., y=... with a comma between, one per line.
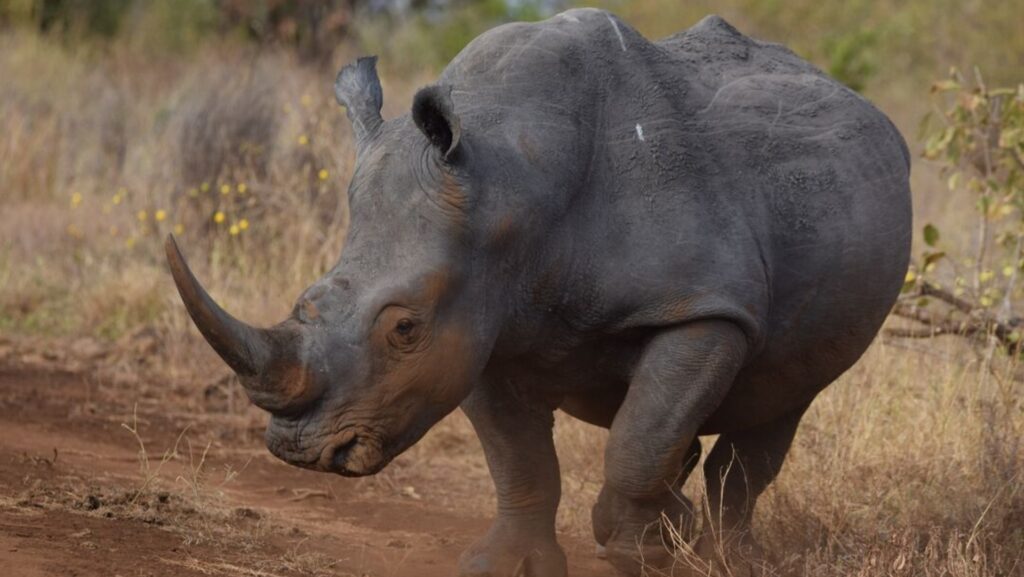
x=976, y=321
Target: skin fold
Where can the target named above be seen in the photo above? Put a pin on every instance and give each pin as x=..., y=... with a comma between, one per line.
x=669, y=239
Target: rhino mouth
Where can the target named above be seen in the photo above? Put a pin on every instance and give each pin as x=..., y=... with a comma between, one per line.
x=361, y=451
x=354, y=453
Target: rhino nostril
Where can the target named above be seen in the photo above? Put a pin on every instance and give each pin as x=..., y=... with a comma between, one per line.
x=342, y=451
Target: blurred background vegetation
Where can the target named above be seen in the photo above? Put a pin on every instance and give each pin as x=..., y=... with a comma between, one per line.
x=214, y=118
x=866, y=43
x=124, y=120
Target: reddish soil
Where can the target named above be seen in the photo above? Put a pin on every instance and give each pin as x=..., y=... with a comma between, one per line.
x=75, y=502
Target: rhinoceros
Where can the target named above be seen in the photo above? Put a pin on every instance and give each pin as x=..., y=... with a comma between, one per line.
x=669, y=239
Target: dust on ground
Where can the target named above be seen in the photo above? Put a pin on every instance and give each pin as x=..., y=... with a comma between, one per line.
x=100, y=477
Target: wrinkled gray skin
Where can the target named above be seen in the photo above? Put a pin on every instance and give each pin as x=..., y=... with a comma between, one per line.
x=671, y=239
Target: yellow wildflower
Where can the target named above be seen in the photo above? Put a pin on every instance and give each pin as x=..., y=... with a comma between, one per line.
x=142, y=216
x=323, y=174
x=1007, y=271
x=130, y=242
x=179, y=228
x=218, y=217
x=1006, y=210
x=986, y=275
x=929, y=267
x=193, y=192
x=225, y=189
x=986, y=301
x=243, y=224
x=116, y=199
x=160, y=215
x=76, y=199
x=205, y=187
x=242, y=188
x=303, y=140
x=233, y=230
x=911, y=276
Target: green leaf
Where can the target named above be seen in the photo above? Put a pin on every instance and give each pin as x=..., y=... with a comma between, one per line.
x=931, y=234
x=925, y=126
x=1011, y=137
x=909, y=281
x=954, y=181
x=931, y=257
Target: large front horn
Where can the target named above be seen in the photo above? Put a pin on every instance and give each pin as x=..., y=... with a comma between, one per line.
x=245, y=349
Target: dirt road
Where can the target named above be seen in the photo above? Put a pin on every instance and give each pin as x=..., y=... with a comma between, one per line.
x=76, y=500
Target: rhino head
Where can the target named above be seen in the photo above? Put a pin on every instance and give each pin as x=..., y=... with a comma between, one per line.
x=393, y=337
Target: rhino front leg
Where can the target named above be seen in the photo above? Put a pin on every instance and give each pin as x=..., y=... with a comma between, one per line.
x=520, y=452
x=681, y=379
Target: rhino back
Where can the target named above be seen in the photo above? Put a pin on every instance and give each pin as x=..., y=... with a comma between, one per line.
x=704, y=175
x=822, y=177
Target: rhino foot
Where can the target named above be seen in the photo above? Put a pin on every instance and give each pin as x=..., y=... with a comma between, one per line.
x=635, y=534
x=507, y=552
x=732, y=553
x=632, y=558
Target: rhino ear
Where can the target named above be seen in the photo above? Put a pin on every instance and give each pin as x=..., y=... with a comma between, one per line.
x=434, y=114
x=358, y=90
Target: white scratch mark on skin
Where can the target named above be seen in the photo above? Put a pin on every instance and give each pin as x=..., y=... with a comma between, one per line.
x=834, y=92
x=640, y=132
x=622, y=41
x=771, y=127
x=722, y=89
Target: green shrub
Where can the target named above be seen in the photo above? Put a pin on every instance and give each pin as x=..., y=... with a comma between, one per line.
x=976, y=135
x=851, y=58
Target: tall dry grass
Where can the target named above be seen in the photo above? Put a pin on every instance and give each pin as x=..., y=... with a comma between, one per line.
x=245, y=156
x=912, y=464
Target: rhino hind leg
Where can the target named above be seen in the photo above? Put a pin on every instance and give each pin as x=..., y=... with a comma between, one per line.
x=672, y=507
x=517, y=440
x=738, y=469
x=681, y=378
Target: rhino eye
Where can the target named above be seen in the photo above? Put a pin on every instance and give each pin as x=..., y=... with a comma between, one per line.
x=404, y=327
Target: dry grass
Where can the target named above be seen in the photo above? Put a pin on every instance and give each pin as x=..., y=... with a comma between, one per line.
x=195, y=148
x=912, y=464
x=896, y=472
